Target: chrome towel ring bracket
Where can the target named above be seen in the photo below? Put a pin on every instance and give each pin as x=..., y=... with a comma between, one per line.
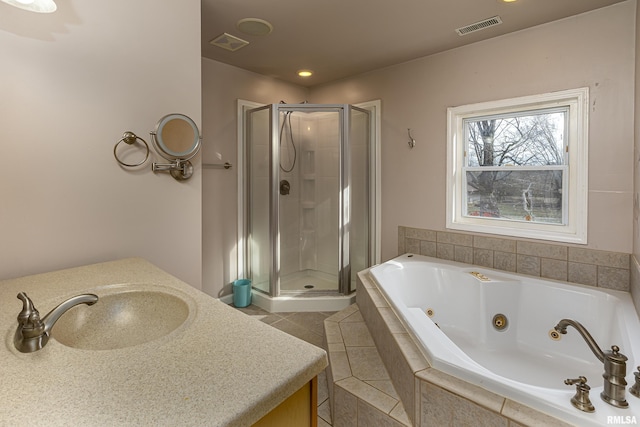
x=131, y=138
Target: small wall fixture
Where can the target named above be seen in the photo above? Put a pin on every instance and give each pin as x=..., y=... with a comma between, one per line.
x=177, y=139
x=411, y=142
x=131, y=139
x=40, y=6
x=305, y=73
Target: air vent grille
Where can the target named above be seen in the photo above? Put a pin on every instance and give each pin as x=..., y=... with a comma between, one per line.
x=481, y=25
x=229, y=42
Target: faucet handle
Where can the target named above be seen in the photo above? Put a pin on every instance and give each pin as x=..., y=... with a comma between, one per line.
x=29, y=317
x=581, y=399
x=635, y=388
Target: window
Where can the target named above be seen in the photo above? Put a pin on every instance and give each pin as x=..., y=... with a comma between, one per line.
x=518, y=167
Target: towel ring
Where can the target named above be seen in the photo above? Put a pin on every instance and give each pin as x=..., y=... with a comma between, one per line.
x=130, y=138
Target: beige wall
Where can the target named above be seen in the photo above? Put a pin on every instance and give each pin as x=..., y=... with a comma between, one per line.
x=594, y=49
x=635, y=267
x=222, y=86
x=71, y=83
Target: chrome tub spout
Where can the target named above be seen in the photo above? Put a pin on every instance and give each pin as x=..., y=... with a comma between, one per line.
x=615, y=365
x=33, y=333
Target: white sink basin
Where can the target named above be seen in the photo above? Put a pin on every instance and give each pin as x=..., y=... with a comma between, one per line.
x=122, y=319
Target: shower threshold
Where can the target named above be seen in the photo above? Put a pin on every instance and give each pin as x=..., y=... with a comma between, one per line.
x=308, y=280
x=303, y=301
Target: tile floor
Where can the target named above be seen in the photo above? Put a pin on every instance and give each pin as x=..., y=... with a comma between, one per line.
x=308, y=326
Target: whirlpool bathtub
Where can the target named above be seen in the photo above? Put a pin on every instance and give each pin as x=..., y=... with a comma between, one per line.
x=493, y=329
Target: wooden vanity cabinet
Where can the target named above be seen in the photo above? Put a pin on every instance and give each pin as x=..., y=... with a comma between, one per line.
x=299, y=410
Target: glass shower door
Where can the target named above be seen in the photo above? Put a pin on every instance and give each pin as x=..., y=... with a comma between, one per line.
x=359, y=191
x=258, y=245
x=309, y=151
x=307, y=198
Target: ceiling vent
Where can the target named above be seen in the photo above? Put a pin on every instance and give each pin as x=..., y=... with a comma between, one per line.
x=229, y=42
x=486, y=23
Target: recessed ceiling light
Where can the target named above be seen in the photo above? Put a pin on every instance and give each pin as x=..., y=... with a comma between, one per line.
x=305, y=73
x=508, y=1
x=40, y=6
x=254, y=26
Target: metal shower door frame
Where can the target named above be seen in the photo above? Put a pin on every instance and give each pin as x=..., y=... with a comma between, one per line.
x=344, y=110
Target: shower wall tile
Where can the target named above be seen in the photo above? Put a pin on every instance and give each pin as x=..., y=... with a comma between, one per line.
x=442, y=408
x=370, y=416
x=483, y=257
x=482, y=397
x=468, y=413
x=553, y=261
x=369, y=366
x=364, y=391
x=554, y=269
x=504, y=261
x=528, y=265
x=400, y=414
x=455, y=238
x=393, y=323
x=345, y=408
x=493, y=243
x=445, y=251
x=604, y=258
x=420, y=234
x=401, y=240
x=356, y=334
x=428, y=248
x=436, y=405
x=412, y=245
x=542, y=250
x=635, y=282
x=340, y=366
x=530, y=417
x=463, y=254
x=586, y=274
x=332, y=332
x=613, y=278
x=410, y=351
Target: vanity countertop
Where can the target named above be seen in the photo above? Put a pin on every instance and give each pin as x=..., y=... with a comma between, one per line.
x=220, y=368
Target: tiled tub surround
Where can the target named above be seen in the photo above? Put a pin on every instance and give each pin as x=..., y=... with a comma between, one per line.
x=431, y=397
x=551, y=261
x=520, y=361
x=360, y=390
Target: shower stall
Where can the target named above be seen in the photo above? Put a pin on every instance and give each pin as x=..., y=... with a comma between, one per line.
x=308, y=200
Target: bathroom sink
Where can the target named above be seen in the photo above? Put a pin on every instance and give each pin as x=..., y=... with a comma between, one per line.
x=122, y=319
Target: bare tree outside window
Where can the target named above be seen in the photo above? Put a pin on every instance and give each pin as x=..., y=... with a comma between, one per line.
x=519, y=166
x=515, y=166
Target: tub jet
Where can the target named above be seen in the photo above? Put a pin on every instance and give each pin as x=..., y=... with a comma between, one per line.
x=500, y=322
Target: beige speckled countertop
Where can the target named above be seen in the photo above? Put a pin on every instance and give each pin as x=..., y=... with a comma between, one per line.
x=220, y=368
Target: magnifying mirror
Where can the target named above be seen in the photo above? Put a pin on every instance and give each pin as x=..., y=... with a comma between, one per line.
x=176, y=138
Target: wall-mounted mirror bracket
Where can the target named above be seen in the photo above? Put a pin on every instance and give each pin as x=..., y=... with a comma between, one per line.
x=177, y=139
x=180, y=169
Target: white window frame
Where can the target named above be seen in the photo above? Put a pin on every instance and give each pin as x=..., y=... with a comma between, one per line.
x=575, y=228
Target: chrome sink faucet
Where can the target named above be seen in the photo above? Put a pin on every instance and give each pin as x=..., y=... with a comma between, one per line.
x=615, y=365
x=33, y=333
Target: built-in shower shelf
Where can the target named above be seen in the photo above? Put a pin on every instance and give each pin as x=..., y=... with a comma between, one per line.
x=309, y=176
x=308, y=205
